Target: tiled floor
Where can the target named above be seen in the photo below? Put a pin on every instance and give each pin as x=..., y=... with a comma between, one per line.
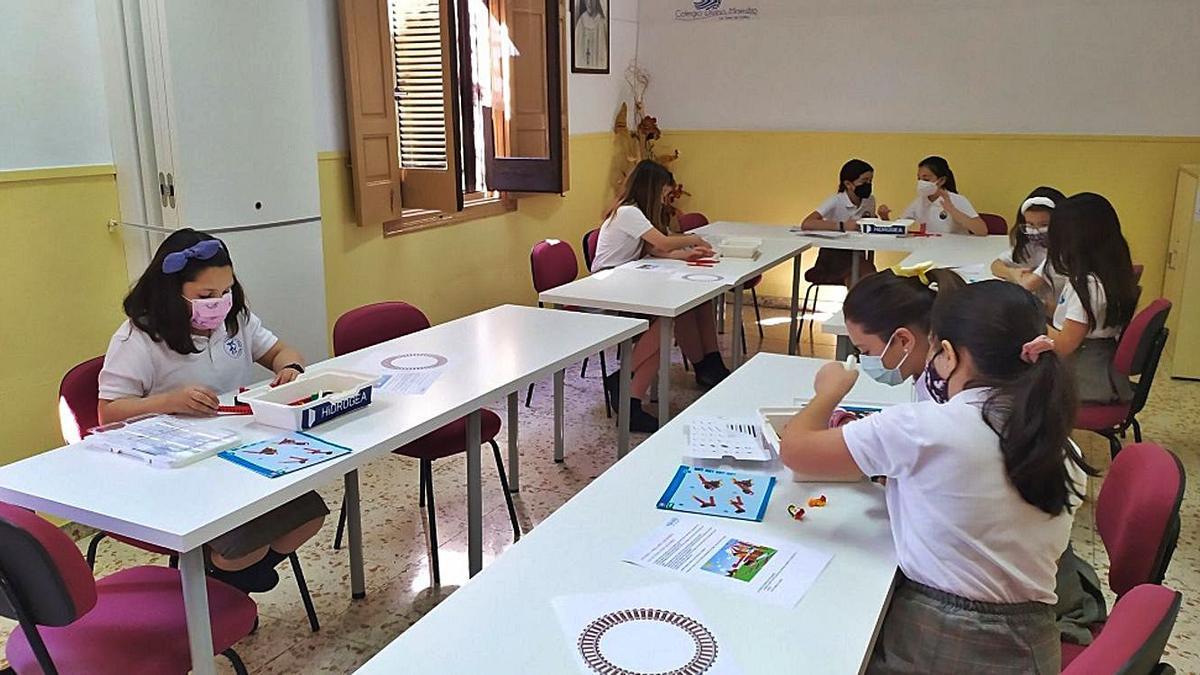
x=395, y=530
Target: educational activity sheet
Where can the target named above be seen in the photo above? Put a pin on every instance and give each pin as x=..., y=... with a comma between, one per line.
x=642, y=631
x=276, y=457
x=711, y=437
x=698, y=274
x=716, y=492
x=649, y=266
x=410, y=374
x=773, y=572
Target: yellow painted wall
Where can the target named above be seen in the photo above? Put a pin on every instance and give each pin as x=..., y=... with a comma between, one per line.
x=779, y=177
x=64, y=278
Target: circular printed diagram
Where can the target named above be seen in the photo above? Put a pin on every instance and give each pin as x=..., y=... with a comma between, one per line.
x=701, y=276
x=414, y=361
x=604, y=658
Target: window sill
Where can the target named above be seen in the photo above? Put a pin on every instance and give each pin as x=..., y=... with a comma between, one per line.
x=415, y=220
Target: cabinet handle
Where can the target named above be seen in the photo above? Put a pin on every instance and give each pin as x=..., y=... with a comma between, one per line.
x=162, y=188
x=171, y=190
x=1171, y=259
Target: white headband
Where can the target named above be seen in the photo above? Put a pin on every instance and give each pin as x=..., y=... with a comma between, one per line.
x=1037, y=201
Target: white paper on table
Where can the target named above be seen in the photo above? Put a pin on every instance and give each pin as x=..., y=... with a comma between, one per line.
x=412, y=383
x=648, y=266
x=703, y=550
x=711, y=437
x=653, y=629
x=700, y=274
x=974, y=273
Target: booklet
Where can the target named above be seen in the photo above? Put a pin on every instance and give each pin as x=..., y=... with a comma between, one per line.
x=715, y=492
x=277, y=457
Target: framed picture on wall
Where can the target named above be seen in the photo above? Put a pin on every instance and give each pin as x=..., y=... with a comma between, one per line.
x=590, y=29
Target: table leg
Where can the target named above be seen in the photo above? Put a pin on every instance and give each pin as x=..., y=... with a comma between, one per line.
x=514, y=457
x=559, y=439
x=735, y=350
x=854, y=271
x=665, y=336
x=474, y=497
x=623, y=393
x=721, y=314
x=358, y=577
x=195, y=604
x=844, y=348
x=794, y=327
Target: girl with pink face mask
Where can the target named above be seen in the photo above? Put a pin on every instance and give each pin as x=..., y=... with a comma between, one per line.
x=189, y=336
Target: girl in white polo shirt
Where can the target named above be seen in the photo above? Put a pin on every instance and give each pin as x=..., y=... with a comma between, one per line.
x=189, y=335
x=840, y=212
x=981, y=484
x=938, y=205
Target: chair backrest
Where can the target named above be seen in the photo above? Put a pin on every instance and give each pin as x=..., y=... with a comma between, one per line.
x=78, y=399
x=690, y=221
x=1137, y=514
x=1137, y=341
x=46, y=579
x=590, y=239
x=996, y=224
x=369, y=325
x=552, y=263
x=1135, y=634
x=1137, y=273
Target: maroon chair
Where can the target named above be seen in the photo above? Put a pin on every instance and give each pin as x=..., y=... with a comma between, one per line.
x=1137, y=517
x=552, y=263
x=132, y=621
x=78, y=413
x=1134, y=636
x=370, y=325
x=1138, y=352
x=996, y=224
x=590, y=239
x=691, y=221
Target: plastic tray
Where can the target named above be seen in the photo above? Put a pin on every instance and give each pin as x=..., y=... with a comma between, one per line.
x=739, y=247
x=344, y=392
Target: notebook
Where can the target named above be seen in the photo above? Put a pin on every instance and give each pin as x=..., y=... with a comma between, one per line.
x=715, y=492
x=280, y=456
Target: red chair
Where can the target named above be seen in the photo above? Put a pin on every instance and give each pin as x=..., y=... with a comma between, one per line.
x=1137, y=354
x=590, y=239
x=691, y=221
x=370, y=325
x=1137, y=517
x=78, y=413
x=1134, y=637
x=552, y=263
x=996, y=224
x=132, y=621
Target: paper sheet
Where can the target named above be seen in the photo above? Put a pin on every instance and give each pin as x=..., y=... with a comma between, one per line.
x=653, y=629
x=649, y=266
x=974, y=273
x=773, y=572
x=700, y=274
x=712, y=437
x=407, y=383
x=410, y=373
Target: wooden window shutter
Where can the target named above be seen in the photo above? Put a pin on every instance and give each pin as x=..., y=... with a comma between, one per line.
x=425, y=46
x=371, y=110
x=525, y=145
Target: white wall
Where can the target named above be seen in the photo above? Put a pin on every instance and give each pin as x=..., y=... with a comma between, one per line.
x=52, y=110
x=1052, y=66
x=592, y=99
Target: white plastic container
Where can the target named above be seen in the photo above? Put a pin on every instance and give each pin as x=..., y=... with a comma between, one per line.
x=880, y=226
x=739, y=247
x=344, y=392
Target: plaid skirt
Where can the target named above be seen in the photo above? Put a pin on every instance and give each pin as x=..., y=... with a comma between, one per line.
x=931, y=631
x=270, y=526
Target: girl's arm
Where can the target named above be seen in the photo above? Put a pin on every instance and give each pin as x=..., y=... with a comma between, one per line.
x=278, y=358
x=1067, y=340
x=974, y=225
x=1002, y=270
x=662, y=245
x=809, y=445
x=814, y=221
x=193, y=400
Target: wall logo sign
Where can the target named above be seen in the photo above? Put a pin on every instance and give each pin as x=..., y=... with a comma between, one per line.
x=712, y=10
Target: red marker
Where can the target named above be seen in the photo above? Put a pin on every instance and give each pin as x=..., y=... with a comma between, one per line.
x=241, y=409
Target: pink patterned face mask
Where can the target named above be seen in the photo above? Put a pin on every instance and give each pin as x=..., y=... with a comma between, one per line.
x=209, y=313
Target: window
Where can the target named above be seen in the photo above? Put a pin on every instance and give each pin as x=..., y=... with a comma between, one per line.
x=454, y=106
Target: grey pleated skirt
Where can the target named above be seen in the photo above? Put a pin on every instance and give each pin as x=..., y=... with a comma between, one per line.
x=1096, y=381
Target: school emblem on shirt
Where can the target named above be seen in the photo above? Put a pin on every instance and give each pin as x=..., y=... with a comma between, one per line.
x=234, y=348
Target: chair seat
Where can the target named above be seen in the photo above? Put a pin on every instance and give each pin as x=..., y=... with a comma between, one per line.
x=753, y=282
x=825, y=277
x=137, y=626
x=452, y=438
x=1101, y=417
x=1070, y=650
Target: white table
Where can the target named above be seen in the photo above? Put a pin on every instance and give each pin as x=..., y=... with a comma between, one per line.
x=491, y=354
x=506, y=610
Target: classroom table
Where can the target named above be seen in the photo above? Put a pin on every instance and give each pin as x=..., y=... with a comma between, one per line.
x=507, y=609
x=491, y=354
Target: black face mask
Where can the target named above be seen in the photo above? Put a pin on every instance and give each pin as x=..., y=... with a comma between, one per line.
x=862, y=191
x=937, y=386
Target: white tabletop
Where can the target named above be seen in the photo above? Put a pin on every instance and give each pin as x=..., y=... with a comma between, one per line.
x=505, y=612
x=490, y=354
x=626, y=290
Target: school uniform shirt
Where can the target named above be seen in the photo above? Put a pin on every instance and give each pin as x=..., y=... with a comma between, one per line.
x=1034, y=256
x=934, y=215
x=958, y=523
x=136, y=366
x=620, y=239
x=839, y=208
x=1070, y=306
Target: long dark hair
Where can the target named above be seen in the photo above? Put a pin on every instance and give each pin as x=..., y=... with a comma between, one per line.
x=156, y=304
x=1031, y=406
x=882, y=303
x=644, y=189
x=940, y=168
x=851, y=171
x=1085, y=240
x=1017, y=236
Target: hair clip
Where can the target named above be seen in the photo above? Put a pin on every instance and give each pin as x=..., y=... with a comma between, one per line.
x=918, y=271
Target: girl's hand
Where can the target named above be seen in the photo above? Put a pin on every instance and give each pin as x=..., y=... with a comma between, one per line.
x=1029, y=280
x=834, y=381
x=284, y=376
x=697, y=241
x=884, y=212
x=193, y=400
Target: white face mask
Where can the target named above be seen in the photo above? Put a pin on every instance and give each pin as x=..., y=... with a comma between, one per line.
x=925, y=188
x=874, y=368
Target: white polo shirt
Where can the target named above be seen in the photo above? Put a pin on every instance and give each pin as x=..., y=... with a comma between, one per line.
x=959, y=525
x=1070, y=306
x=136, y=366
x=934, y=215
x=839, y=208
x=620, y=239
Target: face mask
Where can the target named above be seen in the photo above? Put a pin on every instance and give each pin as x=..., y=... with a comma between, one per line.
x=874, y=368
x=1036, y=236
x=862, y=191
x=925, y=188
x=209, y=313
x=938, y=386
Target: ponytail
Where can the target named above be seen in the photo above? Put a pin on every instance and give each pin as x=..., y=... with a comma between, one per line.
x=900, y=297
x=1032, y=403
